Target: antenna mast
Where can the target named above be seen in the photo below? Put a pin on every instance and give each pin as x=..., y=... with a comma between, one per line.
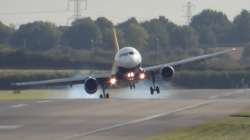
x=77, y=8
x=189, y=12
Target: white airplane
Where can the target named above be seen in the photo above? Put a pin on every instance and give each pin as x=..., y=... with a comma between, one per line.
x=127, y=68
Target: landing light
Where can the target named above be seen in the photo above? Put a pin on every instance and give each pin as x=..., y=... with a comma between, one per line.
x=113, y=81
x=131, y=75
x=142, y=76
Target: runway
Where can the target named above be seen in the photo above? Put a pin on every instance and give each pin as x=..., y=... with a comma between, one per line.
x=118, y=118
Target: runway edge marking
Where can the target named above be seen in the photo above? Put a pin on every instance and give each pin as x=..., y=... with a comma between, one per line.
x=18, y=105
x=228, y=94
x=137, y=121
x=10, y=127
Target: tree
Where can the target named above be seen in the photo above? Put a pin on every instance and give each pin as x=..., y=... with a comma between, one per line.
x=134, y=34
x=245, y=57
x=36, y=36
x=5, y=33
x=241, y=28
x=82, y=34
x=184, y=37
x=159, y=29
x=106, y=30
x=103, y=23
x=212, y=27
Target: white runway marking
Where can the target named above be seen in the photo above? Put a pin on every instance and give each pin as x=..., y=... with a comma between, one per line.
x=137, y=121
x=213, y=97
x=44, y=101
x=227, y=94
x=18, y=105
x=10, y=127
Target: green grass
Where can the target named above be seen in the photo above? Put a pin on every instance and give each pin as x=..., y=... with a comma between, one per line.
x=243, y=114
x=32, y=94
x=230, y=128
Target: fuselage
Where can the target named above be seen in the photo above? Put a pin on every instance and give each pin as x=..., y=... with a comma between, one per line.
x=128, y=57
x=128, y=62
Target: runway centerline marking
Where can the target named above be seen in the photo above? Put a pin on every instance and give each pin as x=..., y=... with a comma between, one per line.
x=10, y=127
x=137, y=121
x=18, y=105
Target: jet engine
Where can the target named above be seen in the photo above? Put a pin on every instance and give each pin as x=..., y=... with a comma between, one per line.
x=167, y=72
x=91, y=85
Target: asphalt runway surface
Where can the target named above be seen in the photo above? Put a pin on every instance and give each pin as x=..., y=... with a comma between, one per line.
x=119, y=118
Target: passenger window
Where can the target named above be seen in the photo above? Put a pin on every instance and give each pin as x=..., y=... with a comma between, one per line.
x=131, y=53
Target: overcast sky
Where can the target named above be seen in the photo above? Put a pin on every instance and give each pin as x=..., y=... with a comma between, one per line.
x=20, y=11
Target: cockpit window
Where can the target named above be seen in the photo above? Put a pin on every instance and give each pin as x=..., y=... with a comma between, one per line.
x=127, y=54
x=131, y=53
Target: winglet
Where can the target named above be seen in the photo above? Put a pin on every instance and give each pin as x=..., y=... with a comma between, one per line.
x=115, y=39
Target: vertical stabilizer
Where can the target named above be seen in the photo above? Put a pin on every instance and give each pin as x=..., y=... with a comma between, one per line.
x=115, y=39
x=117, y=48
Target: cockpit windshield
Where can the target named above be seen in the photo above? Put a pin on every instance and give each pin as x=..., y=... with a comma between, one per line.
x=131, y=53
x=127, y=54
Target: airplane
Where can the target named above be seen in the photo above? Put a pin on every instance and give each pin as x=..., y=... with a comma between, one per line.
x=127, y=69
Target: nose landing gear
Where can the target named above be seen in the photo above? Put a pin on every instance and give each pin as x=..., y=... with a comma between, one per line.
x=132, y=85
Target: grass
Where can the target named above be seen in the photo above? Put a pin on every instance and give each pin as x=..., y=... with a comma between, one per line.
x=32, y=94
x=230, y=128
x=243, y=114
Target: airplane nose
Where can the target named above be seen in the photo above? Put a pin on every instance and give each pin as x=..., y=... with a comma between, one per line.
x=129, y=62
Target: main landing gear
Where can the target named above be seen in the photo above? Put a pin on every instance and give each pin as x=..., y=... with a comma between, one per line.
x=104, y=94
x=154, y=88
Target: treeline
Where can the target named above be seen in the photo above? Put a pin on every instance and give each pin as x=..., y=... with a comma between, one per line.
x=48, y=43
x=208, y=28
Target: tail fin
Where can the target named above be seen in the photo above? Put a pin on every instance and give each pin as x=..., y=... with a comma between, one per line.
x=115, y=39
x=117, y=48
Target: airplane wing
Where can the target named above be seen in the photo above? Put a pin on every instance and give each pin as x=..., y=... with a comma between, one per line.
x=58, y=82
x=188, y=60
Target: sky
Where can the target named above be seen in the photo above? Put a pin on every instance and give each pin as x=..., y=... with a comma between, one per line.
x=18, y=12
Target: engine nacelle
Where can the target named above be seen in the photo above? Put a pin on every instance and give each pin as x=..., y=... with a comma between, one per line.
x=167, y=72
x=91, y=85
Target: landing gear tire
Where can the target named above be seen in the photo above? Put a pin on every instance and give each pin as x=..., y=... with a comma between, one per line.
x=101, y=96
x=107, y=96
x=157, y=90
x=151, y=90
